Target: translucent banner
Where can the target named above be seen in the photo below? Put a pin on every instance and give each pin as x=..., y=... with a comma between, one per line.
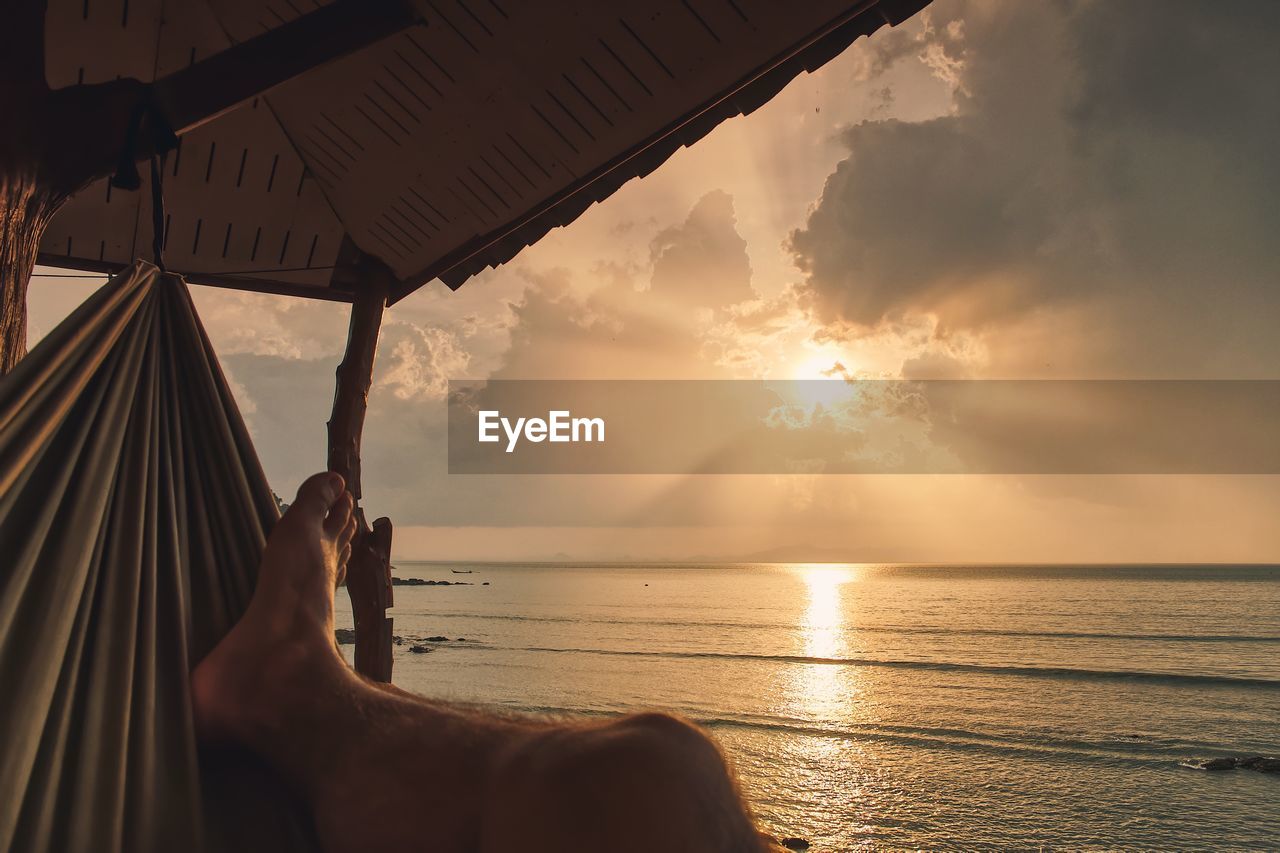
x=864, y=427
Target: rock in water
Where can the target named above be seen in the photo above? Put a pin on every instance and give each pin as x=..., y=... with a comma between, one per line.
x=1261, y=763
x=1218, y=764
x=420, y=649
x=795, y=843
x=347, y=637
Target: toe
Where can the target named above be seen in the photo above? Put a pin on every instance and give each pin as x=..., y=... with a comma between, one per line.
x=317, y=494
x=348, y=532
x=340, y=514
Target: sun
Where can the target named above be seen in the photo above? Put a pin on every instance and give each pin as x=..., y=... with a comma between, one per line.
x=820, y=367
x=818, y=380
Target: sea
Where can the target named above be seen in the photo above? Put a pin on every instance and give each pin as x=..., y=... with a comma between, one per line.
x=896, y=707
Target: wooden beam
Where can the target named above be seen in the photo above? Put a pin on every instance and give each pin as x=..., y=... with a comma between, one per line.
x=213, y=86
x=45, y=154
x=22, y=59
x=369, y=569
x=247, y=282
x=132, y=119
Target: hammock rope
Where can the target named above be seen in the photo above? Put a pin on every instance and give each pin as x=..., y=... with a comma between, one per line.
x=133, y=511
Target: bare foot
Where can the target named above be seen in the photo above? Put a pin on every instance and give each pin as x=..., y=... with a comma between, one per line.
x=286, y=635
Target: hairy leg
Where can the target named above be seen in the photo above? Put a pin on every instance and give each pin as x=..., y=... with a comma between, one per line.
x=648, y=782
x=387, y=771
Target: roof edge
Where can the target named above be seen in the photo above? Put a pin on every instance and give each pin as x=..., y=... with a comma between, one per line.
x=751, y=92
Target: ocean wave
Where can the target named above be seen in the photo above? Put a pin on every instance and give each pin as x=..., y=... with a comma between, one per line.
x=1132, y=749
x=1071, y=673
x=875, y=629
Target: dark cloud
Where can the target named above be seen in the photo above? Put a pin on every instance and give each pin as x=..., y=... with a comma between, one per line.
x=1115, y=159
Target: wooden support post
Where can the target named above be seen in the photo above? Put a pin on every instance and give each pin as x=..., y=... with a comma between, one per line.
x=30, y=192
x=369, y=570
x=27, y=203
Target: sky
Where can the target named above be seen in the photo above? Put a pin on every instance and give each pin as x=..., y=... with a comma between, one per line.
x=1013, y=189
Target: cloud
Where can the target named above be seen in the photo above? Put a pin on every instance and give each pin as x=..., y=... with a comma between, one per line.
x=603, y=319
x=680, y=325
x=289, y=400
x=1069, y=188
x=418, y=361
x=936, y=40
x=260, y=324
x=703, y=262
x=1105, y=172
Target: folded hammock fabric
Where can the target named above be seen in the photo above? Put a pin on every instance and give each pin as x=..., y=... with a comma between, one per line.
x=133, y=511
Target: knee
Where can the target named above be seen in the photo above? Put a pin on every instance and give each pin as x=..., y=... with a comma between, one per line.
x=652, y=752
x=671, y=777
x=670, y=745
x=646, y=782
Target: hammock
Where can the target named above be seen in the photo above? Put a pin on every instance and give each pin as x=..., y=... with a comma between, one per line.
x=133, y=511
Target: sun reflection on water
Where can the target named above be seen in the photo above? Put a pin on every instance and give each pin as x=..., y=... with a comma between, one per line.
x=825, y=689
x=824, y=628
x=818, y=692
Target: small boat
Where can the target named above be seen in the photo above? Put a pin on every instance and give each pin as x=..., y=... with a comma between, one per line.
x=461, y=571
